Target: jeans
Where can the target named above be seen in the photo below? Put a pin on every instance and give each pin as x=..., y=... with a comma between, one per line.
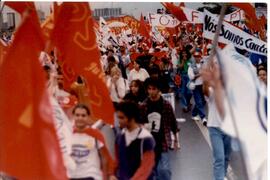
x=162, y=169
x=199, y=102
x=185, y=92
x=221, y=144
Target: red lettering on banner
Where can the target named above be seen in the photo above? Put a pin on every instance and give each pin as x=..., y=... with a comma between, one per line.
x=194, y=15
x=151, y=17
x=234, y=15
x=160, y=20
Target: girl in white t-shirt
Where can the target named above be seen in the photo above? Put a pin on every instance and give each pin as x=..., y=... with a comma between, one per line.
x=89, y=151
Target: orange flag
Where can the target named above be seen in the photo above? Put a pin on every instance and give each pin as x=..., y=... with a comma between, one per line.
x=143, y=29
x=29, y=144
x=75, y=39
x=176, y=11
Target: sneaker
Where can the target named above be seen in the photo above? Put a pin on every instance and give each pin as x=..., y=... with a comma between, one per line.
x=196, y=118
x=204, y=121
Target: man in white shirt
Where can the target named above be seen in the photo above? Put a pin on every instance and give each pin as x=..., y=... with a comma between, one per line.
x=138, y=73
x=198, y=112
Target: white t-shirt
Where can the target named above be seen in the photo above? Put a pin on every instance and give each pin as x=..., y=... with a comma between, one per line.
x=118, y=90
x=214, y=119
x=142, y=74
x=191, y=74
x=86, y=157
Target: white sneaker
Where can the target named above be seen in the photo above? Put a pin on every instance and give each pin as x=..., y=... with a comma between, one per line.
x=196, y=118
x=204, y=121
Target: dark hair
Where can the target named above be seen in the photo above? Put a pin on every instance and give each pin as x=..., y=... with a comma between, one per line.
x=130, y=109
x=152, y=82
x=81, y=106
x=154, y=70
x=261, y=69
x=111, y=59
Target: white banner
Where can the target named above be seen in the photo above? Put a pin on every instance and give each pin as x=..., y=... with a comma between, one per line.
x=197, y=17
x=162, y=20
x=248, y=108
x=193, y=16
x=232, y=34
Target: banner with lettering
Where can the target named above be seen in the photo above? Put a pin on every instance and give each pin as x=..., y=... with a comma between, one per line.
x=197, y=17
x=232, y=34
x=163, y=20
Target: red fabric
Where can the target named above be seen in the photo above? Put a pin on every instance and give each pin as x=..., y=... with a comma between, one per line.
x=75, y=39
x=147, y=164
x=29, y=144
x=176, y=11
x=144, y=29
x=3, y=49
x=182, y=4
x=20, y=7
x=250, y=14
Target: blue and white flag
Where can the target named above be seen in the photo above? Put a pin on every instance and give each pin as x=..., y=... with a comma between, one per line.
x=247, y=97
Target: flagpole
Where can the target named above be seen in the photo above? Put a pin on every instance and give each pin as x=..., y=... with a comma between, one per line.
x=213, y=53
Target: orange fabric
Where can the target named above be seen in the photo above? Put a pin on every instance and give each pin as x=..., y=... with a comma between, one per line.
x=29, y=144
x=75, y=40
x=147, y=164
x=143, y=29
x=176, y=11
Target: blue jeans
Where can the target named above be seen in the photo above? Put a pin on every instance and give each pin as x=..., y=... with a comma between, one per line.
x=162, y=170
x=198, y=109
x=185, y=92
x=221, y=144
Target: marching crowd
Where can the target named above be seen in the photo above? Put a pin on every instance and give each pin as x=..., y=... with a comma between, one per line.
x=145, y=126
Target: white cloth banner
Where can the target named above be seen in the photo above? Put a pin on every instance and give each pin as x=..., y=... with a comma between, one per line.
x=232, y=34
x=162, y=20
x=63, y=127
x=197, y=17
x=247, y=97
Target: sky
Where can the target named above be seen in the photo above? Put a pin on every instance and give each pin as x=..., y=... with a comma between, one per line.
x=129, y=8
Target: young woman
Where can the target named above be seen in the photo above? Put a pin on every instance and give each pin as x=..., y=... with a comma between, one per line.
x=136, y=93
x=89, y=151
x=118, y=86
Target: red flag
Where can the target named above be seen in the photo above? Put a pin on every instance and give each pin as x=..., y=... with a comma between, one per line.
x=20, y=7
x=250, y=14
x=176, y=11
x=143, y=29
x=75, y=39
x=181, y=4
x=29, y=144
x=3, y=49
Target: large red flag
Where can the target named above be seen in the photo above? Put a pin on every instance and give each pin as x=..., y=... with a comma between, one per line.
x=143, y=29
x=29, y=144
x=175, y=11
x=75, y=39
